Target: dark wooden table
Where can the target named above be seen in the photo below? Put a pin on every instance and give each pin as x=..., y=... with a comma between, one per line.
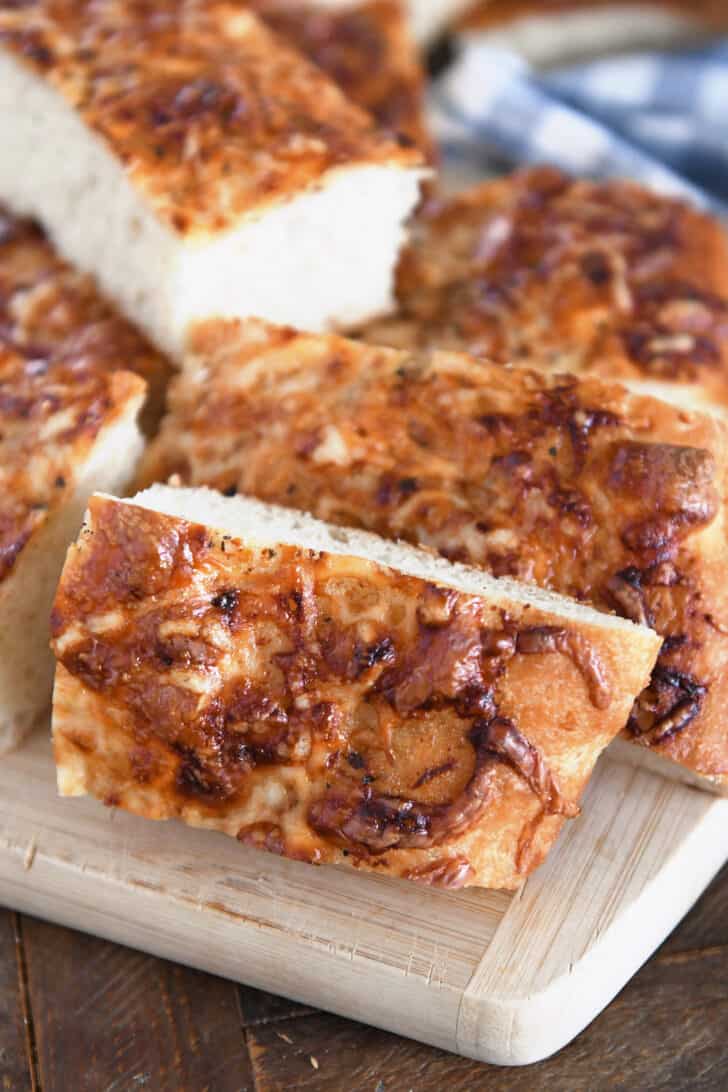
x=81, y=1015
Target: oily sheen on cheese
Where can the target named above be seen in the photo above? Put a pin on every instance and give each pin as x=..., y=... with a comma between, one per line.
x=197, y=165
x=325, y=694
x=612, y=497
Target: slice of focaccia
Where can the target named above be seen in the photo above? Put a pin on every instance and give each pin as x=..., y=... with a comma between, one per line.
x=599, y=278
x=550, y=32
x=48, y=310
x=365, y=46
x=576, y=485
x=67, y=427
x=197, y=165
x=326, y=694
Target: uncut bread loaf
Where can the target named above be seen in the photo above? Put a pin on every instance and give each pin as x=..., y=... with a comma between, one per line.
x=51, y=312
x=608, y=496
x=326, y=694
x=598, y=278
x=67, y=427
x=551, y=32
x=197, y=165
x=366, y=47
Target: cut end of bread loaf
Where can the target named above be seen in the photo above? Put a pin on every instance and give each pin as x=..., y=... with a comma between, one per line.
x=26, y=593
x=269, y=525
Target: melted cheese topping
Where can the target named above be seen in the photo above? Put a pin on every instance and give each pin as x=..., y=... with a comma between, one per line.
x=583, y=488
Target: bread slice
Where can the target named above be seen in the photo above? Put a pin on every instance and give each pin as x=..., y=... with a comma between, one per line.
x=326, y=694
x=582, y=487
x=366, y=47
x=564, y=31
x=197, y=165
x=51, y=311
x=67, y=427
x=598, y=278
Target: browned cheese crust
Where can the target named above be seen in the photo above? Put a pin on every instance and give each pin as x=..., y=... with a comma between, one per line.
x=323, y=707
x=604, y=278
x=50, y=312
x=367, y=50
x=211, y=114
x=572, y=484
x=491, y=14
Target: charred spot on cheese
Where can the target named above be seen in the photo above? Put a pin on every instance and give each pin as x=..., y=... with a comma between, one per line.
x=668, y=706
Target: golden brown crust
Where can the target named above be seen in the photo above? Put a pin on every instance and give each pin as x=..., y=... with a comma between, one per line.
x=323, y=707
x=604, y=278
x=367, y=50
x=211, y=115
x=491, y=14
x=51, y=312
x=572, y=484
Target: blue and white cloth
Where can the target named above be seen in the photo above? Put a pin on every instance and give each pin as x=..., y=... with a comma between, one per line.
x=661, y=119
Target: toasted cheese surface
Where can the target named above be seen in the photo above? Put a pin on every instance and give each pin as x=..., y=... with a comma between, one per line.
x=325, y=707
x=573, y=484
x=366, y=48
x=49, y=311
x=211, y=115
x=599, y=278
x=51, y=412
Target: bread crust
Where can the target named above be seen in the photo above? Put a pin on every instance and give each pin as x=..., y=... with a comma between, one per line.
x=212, y=116
x=50, y=311
x=490, y=14
x=576, y=485
x=598, y=278
x=366, y=48
x=326, y=708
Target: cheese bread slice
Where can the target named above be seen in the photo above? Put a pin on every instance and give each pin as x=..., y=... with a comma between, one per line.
x=615, y=498
x=366, y=47
x=67, y=427
x=326, y=694
x=557, y=32
x=49, y=310
x=561, y=274
x=197, y=165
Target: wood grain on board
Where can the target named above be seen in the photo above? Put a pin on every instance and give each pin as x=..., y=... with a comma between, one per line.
x=15, y=1034
x=487, y=975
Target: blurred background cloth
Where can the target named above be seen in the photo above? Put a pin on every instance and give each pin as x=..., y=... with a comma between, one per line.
x=658, y=117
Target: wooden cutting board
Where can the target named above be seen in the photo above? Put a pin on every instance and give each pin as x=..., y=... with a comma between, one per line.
x=502, y=978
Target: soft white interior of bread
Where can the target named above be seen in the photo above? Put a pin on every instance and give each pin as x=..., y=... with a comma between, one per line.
x=262, y=524
x=565, y=36
x=643, y=758
x=686, y=396
x=323, y=258
x=26, y=596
